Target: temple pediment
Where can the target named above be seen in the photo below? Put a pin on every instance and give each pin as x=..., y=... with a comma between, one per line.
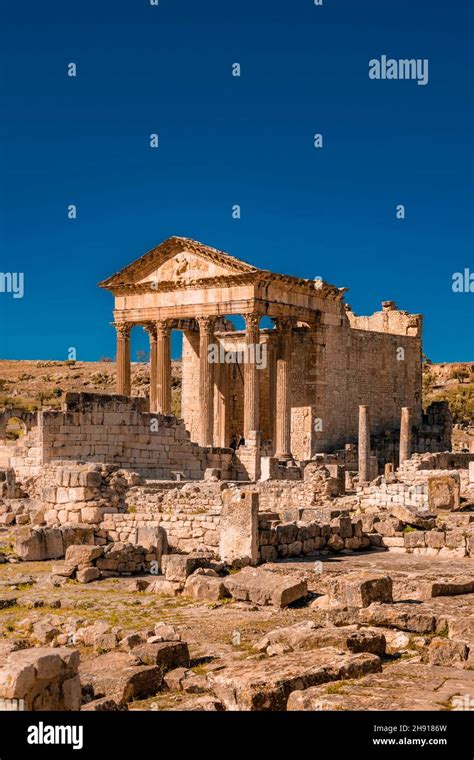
x=176, y=261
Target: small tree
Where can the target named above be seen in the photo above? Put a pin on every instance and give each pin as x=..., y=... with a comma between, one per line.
x=460, y=373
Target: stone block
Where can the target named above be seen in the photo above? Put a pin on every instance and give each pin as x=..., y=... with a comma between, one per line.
x=444, y=491
x=266, y=685
x=37, y=544
x=166, y=654
x=239, y=526
x=120, y=676
x=88, y=574
x=415, y=538
x=360, y=589
x=204, y=587
x=84, y=554
x=177, y=567
x=45, y=678
x=264, y=587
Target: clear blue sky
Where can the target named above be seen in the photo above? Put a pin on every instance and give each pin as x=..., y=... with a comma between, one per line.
x=225, y=141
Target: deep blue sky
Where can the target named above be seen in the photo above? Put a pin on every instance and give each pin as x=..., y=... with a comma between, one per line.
x=225, y=141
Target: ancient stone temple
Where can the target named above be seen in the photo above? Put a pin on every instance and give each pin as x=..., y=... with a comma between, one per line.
x=291, y=388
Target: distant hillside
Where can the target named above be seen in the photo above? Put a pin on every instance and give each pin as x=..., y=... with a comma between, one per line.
x=453, y=383
x=41, y=384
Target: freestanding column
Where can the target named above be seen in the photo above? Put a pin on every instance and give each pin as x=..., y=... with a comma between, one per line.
x=123, y=358
x=405, y=434
x=251, y=385
x=283, y=403
x=206, y=382
x=364, y=444
x=151, y=330
x=163, y=367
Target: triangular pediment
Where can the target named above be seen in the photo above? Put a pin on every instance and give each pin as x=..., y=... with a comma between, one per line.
x=179, y=261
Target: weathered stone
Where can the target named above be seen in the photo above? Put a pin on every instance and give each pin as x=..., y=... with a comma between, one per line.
x=267, y=685
x=265, y=587
x=163, y=586
x=45, y=679
x=444, y=491
x=361, y=589
x=204, y=587
x=121, y=677
x=307, y=635
x=444, y=652
x=452, y=587
x=415, y=538
x=405, y=617
x=239, y=526
x=79, y=555
x=166, y=654
x=63, y=568
x=177, y=567
x=87, y=574
x=37, y=544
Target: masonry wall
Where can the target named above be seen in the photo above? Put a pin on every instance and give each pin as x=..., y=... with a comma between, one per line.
x=336, y=365
x=360, y=367
x=118, y=430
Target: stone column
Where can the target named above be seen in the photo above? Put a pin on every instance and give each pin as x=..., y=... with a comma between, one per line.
x=221, y=422
x=151, y=330
x=283, y=401
x=163, y=367
x=122, y=359
x=364, y=444
x=251, y=385
x=206, y=381
x=405, y=434
x=272, y=392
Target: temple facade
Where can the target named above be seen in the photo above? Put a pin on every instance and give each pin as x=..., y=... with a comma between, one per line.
x=289, y=389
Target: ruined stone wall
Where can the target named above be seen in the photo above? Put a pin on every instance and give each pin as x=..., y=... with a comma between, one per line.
x=335, y=366
x=118, y=430
x=292, y=539
x=359, y=367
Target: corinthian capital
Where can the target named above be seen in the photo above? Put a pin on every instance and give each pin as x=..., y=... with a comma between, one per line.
x=123, y=329
x=252, y=321
x=162, y=327
x=150, y=328
x=206, y=324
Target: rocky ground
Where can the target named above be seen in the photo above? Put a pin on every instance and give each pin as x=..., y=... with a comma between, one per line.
x=377, y=630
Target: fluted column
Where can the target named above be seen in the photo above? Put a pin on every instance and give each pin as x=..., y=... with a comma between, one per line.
x=405, y=434
x=122, y=358
x=163, y=367
x=152, y=334
x=364, y=444
x=283, y=400
x=206, y=381
x=251, y=385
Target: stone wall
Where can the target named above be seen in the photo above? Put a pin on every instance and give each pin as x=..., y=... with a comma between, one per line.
x=185, y=531
x=335, y=365
x=293, y=539
x=114, y=429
